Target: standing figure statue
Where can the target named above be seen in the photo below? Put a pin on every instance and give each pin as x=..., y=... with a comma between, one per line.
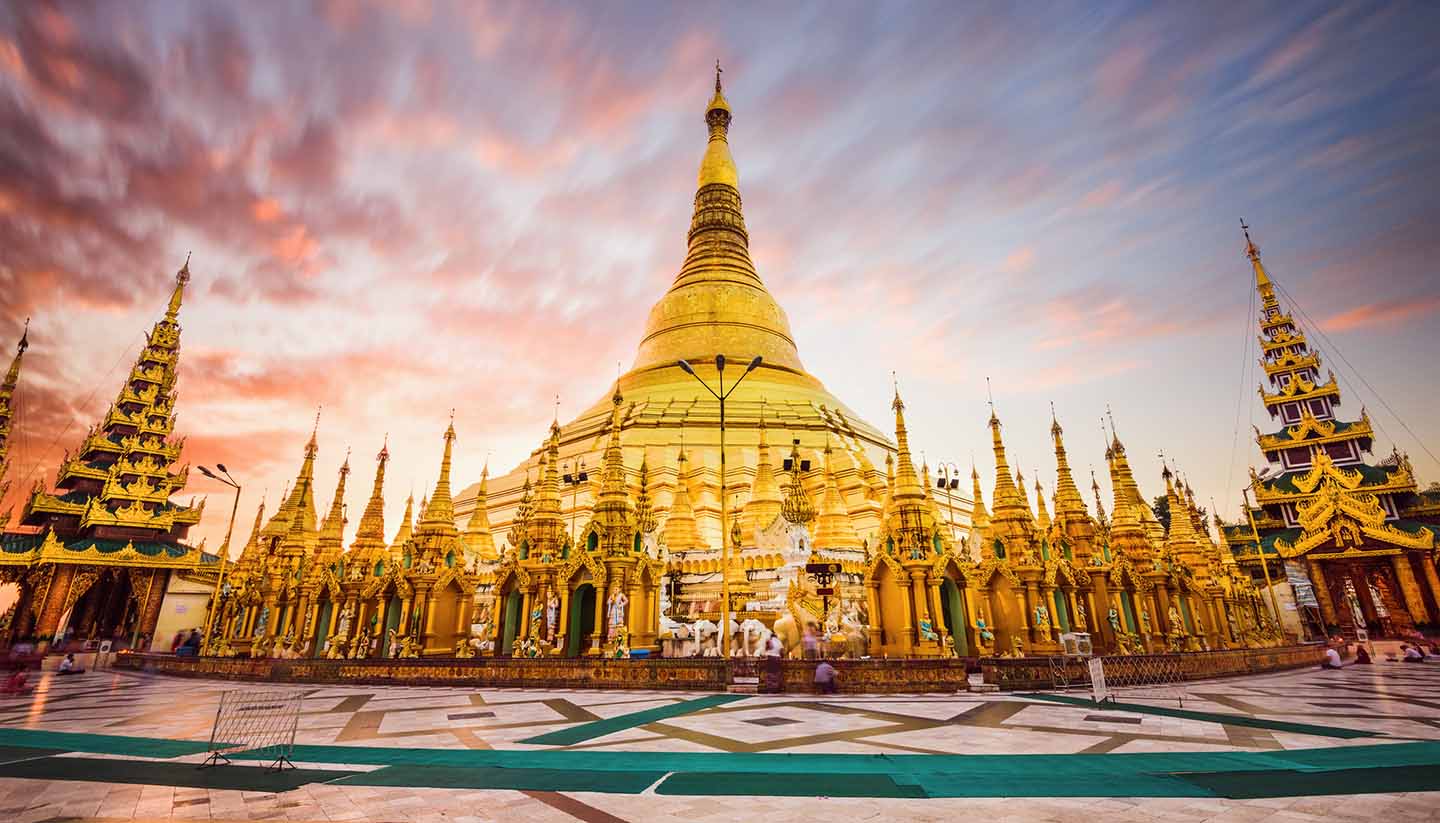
x=1176, y=627
x=1144, y=621
x=1082, y=623
x=617, y=604
x=552, y=616
x=1042, y=618
x=987, y=636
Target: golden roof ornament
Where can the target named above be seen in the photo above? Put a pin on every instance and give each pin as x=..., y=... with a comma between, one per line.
x=796, y=508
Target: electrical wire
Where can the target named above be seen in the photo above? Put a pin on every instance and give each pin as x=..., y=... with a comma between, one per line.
x=1245, y=365
x=1330, y=344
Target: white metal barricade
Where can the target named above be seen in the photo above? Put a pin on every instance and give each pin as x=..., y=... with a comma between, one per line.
x=261, y=723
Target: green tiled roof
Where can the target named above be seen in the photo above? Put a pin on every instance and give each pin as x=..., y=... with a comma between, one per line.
x=1369, y=475
x=20, y=543
x=1340, y=428
x=1267, y=541
x=147, y=548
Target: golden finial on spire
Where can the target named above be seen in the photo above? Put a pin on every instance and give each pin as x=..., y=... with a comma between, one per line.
x=24, y=338
x=718, y=70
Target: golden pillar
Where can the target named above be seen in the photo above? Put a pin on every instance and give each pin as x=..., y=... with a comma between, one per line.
x=1432, y=579
x=1322, y=593
x=1410, y=588
x=872, y=601
x=564, y=617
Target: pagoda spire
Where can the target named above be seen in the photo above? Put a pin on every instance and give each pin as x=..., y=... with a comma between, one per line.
x=765, y=502
x=250, y=551
x=681, y=532
x=1068, y=503
x=134, y=449
x=717, y=297
x=979, y=518
x=372, y=523
x=1099, y=504
x=7, y=393
x=834, y=529
x=439, y=514
x=546, y=524
x=300, y=502
x=406, y=526
x=1042, y=515
x=477, y=539
x=332, y=530
x=907, y=483
x=797, y=507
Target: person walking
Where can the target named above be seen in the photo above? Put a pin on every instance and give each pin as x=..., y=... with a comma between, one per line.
x=825, y=677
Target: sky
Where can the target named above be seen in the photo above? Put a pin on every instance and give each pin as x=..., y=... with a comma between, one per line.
x=398, y=209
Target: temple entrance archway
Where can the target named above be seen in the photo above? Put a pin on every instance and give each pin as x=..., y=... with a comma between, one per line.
x=952, y=613
x=509, y=623
x=581, y=621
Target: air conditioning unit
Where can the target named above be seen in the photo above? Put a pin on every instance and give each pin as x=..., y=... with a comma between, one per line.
x=1076, y=644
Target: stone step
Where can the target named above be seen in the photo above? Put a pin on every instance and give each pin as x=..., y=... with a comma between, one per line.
x=984, y=688
x=744, y=688
x=744, y=680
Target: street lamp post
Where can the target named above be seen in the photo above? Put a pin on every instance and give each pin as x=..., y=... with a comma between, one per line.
x=1264, y=564
x=225, y=554
x=574, y=476
x=724, y=542
x=949, y=481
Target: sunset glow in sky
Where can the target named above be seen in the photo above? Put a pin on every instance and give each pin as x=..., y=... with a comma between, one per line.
x=398, y=208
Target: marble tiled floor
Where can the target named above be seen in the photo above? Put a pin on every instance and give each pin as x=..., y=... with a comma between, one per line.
x=1400, y=701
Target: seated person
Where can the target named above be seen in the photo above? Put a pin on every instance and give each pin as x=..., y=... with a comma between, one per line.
x=1332, y=659
x=68, y=665
x=825, y=677
x=16, y=683
x=1362, y=656
x=1410, y=654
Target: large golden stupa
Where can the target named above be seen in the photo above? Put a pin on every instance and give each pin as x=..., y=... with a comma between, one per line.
x=717, y=305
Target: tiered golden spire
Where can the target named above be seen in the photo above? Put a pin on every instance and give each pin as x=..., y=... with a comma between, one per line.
x=135, y=492
x=407, y=527
x=439, y=514
x=1042, y=515
x=371, y=531
x=765, y=501
x=477, y=539
x=834, y=529
x=1068, y=503
x=681, y=532
x=717, y=304
x=546, y=527
x=910, y=523
x=332, y=531
x=980, y=548
x=300, y=501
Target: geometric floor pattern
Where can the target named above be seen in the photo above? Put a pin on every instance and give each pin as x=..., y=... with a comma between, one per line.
x=1388, y=703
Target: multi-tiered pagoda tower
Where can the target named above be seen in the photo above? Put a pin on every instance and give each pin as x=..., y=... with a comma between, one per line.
x=93, y=556
x=1358, y=527
x=7, y=419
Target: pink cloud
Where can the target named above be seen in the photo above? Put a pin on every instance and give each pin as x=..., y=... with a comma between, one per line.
x=1387, y=314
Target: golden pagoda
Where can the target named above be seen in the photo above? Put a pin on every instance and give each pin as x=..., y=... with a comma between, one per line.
x=717, y=305
x=107, y=533
x=1360, y=529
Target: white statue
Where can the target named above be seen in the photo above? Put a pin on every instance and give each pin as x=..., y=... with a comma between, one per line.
x=552, y=615
x=618, y=602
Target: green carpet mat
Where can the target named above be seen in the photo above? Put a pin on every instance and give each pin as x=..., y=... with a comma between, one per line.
x=100, y=743
x=1214, y=717
x=815, y=784
x=600, y=728
x=1251, y=785
x=152, y=773
x=486, y=777
x=1411, y=766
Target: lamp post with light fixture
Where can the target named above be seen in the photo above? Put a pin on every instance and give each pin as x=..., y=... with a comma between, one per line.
x=724, y=543
x=225, y=554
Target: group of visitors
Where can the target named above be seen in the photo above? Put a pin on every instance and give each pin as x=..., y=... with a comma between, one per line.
x=186, y=645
